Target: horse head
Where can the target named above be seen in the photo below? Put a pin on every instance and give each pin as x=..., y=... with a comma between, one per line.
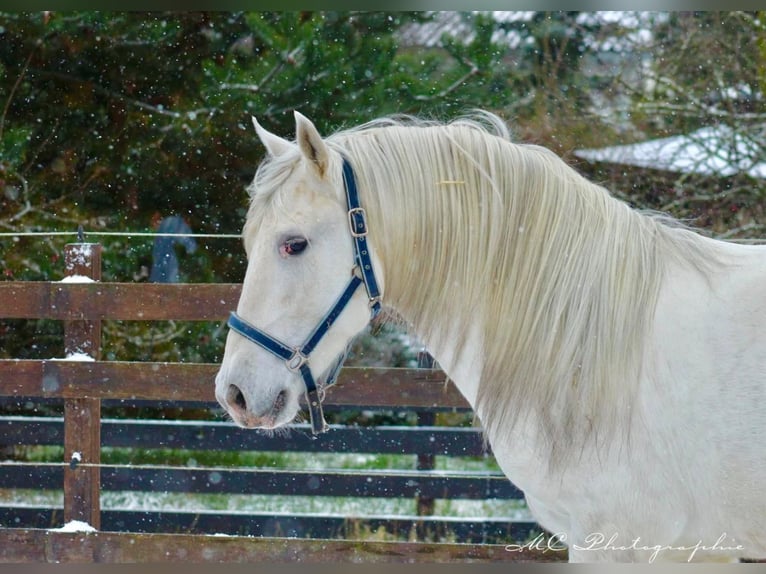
x=302, y=299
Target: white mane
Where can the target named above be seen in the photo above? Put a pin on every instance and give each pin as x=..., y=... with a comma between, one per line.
x=564, y=278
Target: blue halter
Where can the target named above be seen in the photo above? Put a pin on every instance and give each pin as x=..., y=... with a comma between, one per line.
x=297, y=358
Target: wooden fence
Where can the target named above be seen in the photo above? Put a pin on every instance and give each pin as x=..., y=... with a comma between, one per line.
x=83, y=387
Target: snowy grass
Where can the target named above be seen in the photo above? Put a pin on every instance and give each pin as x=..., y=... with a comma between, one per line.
x=353, y=507
x=512, y=510
x=268, y=459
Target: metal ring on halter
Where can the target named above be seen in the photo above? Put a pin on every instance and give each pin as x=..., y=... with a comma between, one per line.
x=295, y=366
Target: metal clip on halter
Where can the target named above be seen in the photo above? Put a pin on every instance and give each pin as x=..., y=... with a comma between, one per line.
x=318, y=424
x=357, y=222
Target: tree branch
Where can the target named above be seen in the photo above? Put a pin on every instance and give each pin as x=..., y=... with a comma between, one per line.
x=290, y=58
x=158, y=109
x=474, y=70
x=16, y=87
x=27, y=204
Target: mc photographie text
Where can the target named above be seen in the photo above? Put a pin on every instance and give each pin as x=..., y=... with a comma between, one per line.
x=600, y=542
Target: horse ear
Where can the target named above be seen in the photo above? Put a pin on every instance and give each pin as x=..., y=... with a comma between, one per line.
x=274, y=145
x=311, y=144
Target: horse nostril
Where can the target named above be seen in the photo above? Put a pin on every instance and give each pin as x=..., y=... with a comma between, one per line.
x=280, y=401
x=236, y=397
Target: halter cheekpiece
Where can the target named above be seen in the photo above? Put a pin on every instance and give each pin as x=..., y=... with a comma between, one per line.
x=297, y=358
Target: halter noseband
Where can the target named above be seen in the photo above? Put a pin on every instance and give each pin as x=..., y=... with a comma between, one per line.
x=297, y=358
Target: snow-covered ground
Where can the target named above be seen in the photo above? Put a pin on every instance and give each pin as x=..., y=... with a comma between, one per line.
x=513, y=511
x=360, y=507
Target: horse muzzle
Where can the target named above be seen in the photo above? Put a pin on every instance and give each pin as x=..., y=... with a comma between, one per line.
x=242, y=412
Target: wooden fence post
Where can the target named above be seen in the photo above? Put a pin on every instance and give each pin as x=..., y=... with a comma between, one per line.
x=425, y=504
x=82, y=417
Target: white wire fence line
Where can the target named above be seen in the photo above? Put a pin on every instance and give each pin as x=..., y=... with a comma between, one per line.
x=82, y=234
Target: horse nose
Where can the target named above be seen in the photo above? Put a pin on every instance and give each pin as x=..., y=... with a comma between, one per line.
x=237, y=405
x=235, y=399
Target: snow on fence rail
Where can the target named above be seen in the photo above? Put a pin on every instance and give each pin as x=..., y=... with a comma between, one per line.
x=83, y=385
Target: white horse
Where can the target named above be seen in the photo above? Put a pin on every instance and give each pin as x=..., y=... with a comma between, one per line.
x=616, y=361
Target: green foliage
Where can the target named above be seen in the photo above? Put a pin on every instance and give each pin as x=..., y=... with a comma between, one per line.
x=123, y=115
x=110, y=119
x=13, y=147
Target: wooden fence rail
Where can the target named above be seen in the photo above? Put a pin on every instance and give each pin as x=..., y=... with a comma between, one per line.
x=82, y=387
x=373, y=387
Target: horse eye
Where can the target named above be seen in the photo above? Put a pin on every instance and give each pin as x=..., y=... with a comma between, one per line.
x=293, y=246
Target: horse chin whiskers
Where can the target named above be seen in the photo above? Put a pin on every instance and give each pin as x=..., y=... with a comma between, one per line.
x=227, y=416
x=282, y=431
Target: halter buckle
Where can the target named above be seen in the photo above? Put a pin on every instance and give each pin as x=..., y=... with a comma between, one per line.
x=295, y=362
x=357, y=222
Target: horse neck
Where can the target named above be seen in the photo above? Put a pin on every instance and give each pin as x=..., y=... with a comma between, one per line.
x=559, y=279
x=448, y=221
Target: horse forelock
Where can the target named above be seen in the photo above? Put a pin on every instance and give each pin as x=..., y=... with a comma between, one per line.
x=266, y=190
x=562, y=277
x=272, y=192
